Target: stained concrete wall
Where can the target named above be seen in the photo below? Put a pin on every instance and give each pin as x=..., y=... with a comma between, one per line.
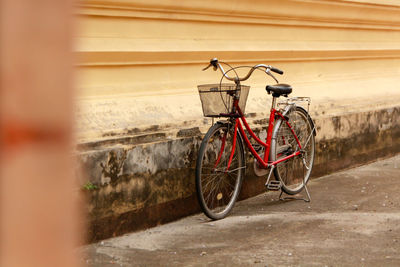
x=141, y=185
x=139, y=117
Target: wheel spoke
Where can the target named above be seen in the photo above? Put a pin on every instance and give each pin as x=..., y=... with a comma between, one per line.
x=218, y=187
x=294, y=172
x=210, y=182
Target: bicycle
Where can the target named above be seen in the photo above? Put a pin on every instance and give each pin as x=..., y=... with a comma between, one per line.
x=288, y=151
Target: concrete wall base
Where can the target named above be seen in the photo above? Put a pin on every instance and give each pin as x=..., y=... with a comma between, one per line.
x=136, y=185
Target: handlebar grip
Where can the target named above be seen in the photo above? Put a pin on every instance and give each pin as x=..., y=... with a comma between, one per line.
x=277, y=70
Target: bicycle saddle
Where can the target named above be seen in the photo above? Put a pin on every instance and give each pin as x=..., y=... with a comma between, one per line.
x=279, y=89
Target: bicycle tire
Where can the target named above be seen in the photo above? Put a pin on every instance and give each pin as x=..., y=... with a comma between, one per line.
x=218, y=189
x=293, y=173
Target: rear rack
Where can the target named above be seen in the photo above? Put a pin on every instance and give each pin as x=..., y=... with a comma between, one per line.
x=302, y=101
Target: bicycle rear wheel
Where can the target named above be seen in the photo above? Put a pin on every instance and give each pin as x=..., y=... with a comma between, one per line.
x=294, y=173
x=217, y=186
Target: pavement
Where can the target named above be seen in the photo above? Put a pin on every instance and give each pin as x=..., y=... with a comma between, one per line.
x=352, y=220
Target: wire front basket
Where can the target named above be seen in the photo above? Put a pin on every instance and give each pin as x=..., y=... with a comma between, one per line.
x=217, y=99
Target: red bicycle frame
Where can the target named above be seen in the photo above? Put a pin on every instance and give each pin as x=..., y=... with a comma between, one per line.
x=263, y=162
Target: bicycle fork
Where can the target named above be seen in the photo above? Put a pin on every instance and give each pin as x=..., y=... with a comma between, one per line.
x=233, y=145
x=223, y=144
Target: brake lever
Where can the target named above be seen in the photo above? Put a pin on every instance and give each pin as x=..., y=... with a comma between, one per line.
x=268, y=71
x=214, y=67
x=209, y=65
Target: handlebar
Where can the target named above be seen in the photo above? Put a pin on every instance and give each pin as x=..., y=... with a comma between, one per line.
x=216, y=65
x=276, y=70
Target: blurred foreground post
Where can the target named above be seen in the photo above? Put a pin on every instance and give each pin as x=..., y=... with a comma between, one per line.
x=38, y=207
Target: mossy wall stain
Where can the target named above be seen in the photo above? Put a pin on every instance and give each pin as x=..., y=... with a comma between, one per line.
x=112, y=168
x=144, y=176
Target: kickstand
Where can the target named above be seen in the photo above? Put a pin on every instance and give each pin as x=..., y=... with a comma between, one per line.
x=308, y=199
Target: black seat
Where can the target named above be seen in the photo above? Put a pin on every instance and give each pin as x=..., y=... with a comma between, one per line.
x=279, y=89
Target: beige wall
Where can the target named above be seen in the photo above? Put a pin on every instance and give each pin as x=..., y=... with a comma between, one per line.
x=137, y=108
x=140, y=61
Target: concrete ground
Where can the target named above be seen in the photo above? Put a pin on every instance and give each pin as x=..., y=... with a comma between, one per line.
x=353, y=220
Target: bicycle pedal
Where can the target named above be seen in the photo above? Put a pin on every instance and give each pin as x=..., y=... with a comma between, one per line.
x=274, y=185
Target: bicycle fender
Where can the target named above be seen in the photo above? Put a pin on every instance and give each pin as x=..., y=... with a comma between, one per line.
x=273, y=138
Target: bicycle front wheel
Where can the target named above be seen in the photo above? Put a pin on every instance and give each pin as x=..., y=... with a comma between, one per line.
x=218, y=183
x=295, y=172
